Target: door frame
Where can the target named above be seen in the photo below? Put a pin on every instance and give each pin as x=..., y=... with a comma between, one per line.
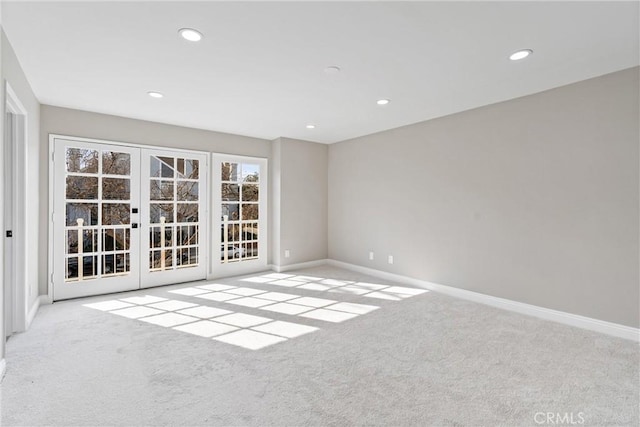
x=51, y=204
x=15, y=247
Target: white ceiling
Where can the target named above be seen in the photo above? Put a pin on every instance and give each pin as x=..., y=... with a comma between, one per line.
x=259, y=70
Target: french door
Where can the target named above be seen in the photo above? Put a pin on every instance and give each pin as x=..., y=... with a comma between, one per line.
x=126, y=217
x=174, y=217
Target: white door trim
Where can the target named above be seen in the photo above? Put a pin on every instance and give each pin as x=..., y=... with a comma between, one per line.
x=18, y=139
x=53, y=136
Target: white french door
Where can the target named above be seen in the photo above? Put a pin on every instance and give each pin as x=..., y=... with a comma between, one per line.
x=174, y=217
x=125, y=217
x=239, y=214
x=96, y=197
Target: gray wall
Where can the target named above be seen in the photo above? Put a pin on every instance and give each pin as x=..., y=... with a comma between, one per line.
x=13, y=74
x=299, y=198
x=66, y=121
x=534, y=199
x=275, y=193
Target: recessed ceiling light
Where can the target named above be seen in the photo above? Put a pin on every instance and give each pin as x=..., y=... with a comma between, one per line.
x=190, y=34
x=155, y=94
x=382, y=101
x=332, y=69
x=311, y=126
x=521, y=54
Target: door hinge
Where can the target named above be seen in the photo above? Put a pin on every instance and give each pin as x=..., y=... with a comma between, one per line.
x=9, y=233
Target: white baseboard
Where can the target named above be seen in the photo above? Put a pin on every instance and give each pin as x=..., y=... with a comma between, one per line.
x=309, y=264
x=3, y=368
x=609, y=328
x=42, y=299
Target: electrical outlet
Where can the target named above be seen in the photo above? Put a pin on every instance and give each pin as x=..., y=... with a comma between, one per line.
x=287, y=254
x=371, y=256
x=390, y=259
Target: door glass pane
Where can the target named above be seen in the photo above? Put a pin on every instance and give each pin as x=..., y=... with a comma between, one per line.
x=187, y=191
x=161, y=189
x=116, y=189
x=250, y=231
x=187, y=235
x=249, y=192
x=168, y=236
x=231, y=211
x=114, y=163
x=71, y=269
x=89, y=266
x=82, y=187
x=168, y=259
x=87, y=212
x=192, y=169
x=187, y=212
x=167, y=166
x=250, y=173
x=115, y=239
x=116, y=213
x=249, y=211
x=161, y=212
x=89, y=240
x=229, y=172
x=82, y=160
x=232, y=232
x=231, y=192
x=109, y=264
x=123, y=239
x=180, y=166
x=154, y=237
x=154, y=260
x=154, y=167
x=109, y=239
x=72, y=241
x=122, y=262
x=187, y=256
x=250, y=250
